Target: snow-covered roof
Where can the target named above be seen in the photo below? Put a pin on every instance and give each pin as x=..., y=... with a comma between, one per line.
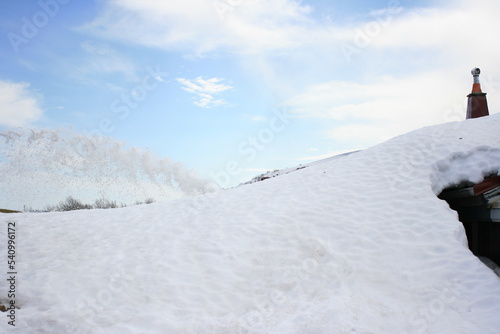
x=360, y=244
x=487, y=191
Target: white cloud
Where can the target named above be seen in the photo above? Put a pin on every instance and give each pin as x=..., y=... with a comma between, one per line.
x=452, y=32
x=206, y=90
x=200, y=26
x=440, y=28
x=374, y=111
x=18, y=105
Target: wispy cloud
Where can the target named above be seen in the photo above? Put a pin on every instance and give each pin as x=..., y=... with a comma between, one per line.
x=196, y=26
x=207, y=91
x=19, y=106
x=101, y=59
x=382, y=108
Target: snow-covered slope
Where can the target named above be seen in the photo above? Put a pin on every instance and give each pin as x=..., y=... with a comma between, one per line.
x=360, y=244
x=284, y=171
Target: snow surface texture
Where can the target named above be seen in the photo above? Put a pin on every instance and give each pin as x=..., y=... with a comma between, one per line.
x=41, y=165
x=359, y=245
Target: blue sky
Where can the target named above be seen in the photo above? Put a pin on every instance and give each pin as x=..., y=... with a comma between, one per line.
x=263, y=84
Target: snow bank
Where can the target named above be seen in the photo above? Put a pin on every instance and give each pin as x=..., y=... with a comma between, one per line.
x=359, y=244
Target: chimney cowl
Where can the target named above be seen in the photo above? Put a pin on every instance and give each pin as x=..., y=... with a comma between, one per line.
x=476, y=86
x=477, y=105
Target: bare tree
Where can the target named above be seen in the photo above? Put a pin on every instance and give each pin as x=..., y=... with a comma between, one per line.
x=103, y=203
x=72, y=204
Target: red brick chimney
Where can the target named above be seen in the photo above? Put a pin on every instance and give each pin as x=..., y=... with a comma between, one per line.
x=477, y=105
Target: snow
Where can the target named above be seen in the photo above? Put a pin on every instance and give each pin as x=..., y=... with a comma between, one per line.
x=41, y=167
x=358, y=244
x=279, y=172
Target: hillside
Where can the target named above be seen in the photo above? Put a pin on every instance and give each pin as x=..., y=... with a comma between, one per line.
x=358, y=244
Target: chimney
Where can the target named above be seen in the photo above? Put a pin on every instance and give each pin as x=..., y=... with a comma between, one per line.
x=477, y=105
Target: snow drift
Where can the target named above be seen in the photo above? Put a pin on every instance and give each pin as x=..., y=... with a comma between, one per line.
x=359, y=244
x=40, y=165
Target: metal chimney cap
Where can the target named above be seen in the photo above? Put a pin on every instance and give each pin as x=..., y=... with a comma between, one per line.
x=475, y=71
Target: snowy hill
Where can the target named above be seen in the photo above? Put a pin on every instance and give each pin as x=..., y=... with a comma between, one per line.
x=359, y=244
